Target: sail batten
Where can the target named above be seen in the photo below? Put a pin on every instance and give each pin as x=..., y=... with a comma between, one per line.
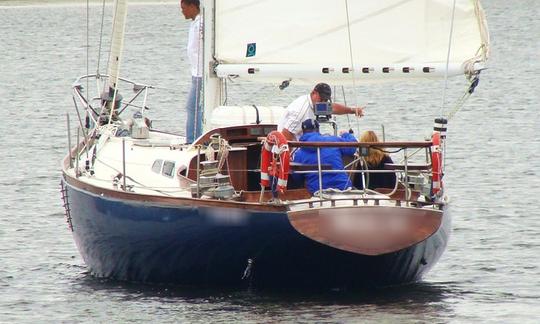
x=338, y=74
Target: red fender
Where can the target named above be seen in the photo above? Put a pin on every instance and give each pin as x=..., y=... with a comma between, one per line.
x=436, y=163
x=275, y=148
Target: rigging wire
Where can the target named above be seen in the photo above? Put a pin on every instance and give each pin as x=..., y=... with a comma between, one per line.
x=448, y=58
x=345, y=103
x=461, y=101
x=443, y=163
x=100, y=46
x=115, y=90
x=352, y=63
x=101, y=38
x=87, y=52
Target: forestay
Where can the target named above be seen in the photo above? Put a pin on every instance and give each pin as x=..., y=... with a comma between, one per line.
x=312, y=40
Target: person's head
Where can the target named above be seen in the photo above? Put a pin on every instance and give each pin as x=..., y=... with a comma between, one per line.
x=369, y=136
x=310, y=125
x=190, y=8
x=321, y=93
x=375, y=155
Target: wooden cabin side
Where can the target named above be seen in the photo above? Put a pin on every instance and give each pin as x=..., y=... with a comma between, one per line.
x=244, y=158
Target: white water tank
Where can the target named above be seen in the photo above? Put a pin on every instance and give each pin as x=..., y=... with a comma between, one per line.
x=224, y=116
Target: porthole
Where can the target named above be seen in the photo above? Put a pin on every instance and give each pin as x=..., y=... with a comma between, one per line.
x=168, y=169
x=156, y=167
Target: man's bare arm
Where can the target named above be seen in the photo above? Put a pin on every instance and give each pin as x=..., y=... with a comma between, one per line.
x=288, y=135
x=340, y=109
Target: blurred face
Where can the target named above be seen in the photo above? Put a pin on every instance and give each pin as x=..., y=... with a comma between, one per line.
x=315, y=96
x=189, y=11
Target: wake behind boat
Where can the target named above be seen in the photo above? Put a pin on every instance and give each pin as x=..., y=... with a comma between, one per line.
x=145, y=206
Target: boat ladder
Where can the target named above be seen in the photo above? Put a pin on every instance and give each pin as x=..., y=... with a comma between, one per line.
x=67, y=209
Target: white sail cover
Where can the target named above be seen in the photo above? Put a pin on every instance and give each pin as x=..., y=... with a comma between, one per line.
x=340, y=39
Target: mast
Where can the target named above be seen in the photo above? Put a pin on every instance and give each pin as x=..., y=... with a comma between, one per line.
x=117, y=47
x=211, y=82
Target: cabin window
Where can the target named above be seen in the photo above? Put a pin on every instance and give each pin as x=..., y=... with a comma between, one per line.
x=168, y=169
x=268, y=130
x=256, y=131
x=156, y=167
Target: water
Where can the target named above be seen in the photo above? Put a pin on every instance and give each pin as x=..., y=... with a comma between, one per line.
x=489, y=273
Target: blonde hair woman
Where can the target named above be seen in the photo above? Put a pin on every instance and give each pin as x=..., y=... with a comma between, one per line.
x=375, y=160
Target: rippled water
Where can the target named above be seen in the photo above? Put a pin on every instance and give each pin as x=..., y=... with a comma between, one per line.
x=489, y=273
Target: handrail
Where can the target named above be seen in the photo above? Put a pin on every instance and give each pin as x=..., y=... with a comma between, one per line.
x=87, y=76
x=362, y=144
x=403, y=169
x=95, y=113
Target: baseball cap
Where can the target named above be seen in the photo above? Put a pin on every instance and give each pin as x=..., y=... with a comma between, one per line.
x=310, y=124
x=324, y=91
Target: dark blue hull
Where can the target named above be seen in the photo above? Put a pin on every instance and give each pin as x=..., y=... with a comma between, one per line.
x=210, y=246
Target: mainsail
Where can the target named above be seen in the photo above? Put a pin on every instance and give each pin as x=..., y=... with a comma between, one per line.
x=335, y=41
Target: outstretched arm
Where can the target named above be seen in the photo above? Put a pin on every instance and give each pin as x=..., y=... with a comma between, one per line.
x=340, y=109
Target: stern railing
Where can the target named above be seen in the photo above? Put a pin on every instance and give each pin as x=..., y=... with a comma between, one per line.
x=413, y=173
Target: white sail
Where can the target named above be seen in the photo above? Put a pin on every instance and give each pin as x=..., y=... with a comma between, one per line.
x=117, y=42
x=314, y=40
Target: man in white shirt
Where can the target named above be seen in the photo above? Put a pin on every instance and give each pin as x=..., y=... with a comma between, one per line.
x=301, y=109
x=191, y=10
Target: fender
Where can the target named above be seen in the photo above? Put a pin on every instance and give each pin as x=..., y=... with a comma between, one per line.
x=436, y=163
x=275, y=159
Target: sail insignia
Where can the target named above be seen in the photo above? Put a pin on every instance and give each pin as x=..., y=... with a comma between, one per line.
x=251, y=49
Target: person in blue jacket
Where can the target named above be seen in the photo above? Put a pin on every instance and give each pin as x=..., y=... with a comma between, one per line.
x=329, y=156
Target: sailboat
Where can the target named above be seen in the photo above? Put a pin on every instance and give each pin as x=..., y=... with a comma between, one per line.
x=144, y=206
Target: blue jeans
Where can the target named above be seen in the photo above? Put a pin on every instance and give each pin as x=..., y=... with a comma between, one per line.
x=194, y=110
